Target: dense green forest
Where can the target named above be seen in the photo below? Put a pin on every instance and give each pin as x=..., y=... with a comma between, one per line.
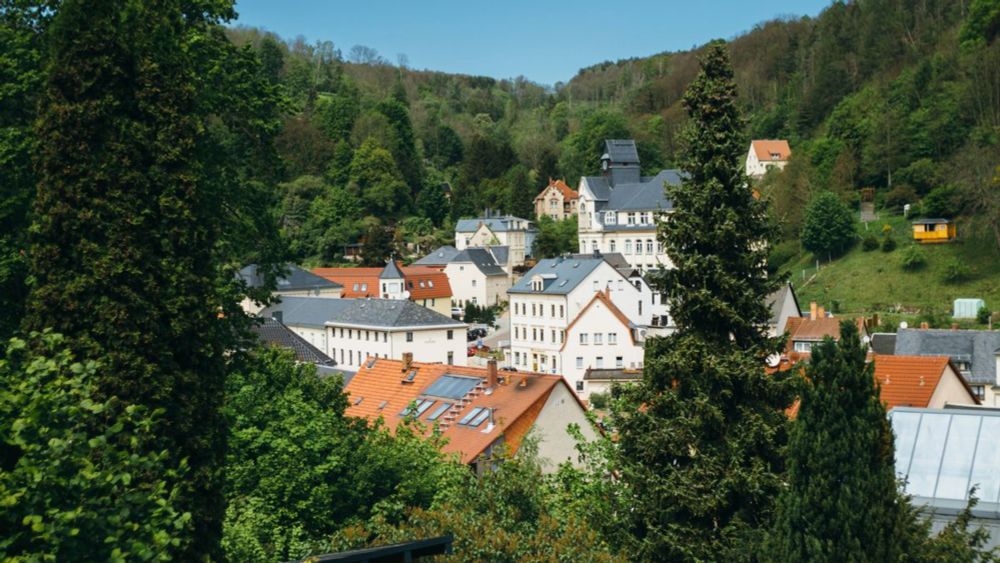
x=147, y=152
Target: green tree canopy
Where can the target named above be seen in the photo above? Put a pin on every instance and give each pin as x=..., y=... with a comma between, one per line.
x=828, y=228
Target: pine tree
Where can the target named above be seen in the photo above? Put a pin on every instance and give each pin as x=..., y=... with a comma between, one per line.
x=701, y=452
x=842, y=502
x=134, y=214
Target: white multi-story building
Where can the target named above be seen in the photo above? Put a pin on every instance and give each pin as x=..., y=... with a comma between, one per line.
x=476, y=275
x=293, y=282
x=601, y=337
x=547, y=300
x=515, y=233
x=620, y=209
x=352, y=330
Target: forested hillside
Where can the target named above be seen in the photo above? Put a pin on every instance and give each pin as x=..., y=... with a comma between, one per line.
x=900, y=95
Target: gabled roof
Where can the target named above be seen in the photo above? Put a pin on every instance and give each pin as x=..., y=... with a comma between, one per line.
x=910, y=381
x=777, y=299
x=764, y=148
x=559, y=275
x=296, y=279
x=567, y=192
x=646, y=195
x=382, y=391
x=481, y=259
x=500, y=253
x=978, y=347
x=440, y=256
x=275, y=334
x=375, y=313
x=602, y=298
x=391, y=271
x=423, y=282
x=804, y=328
x=496, y=224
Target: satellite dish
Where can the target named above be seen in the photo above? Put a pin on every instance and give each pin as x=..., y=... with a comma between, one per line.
x=902, y=324
x=867, y=339
x=773, y=360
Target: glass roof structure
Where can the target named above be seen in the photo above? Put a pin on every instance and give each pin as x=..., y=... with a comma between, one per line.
x=451, y=386
x=943, y=453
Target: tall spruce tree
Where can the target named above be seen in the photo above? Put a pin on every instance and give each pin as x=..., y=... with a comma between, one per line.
x=842, y=502
x=702, y=455
x=139, y=202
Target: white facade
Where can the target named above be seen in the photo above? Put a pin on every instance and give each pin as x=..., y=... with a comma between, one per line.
x=599, y=339
x=350, y=345
x=629, y=233
x=757, y=167
x=539, y=320
x=470, y=284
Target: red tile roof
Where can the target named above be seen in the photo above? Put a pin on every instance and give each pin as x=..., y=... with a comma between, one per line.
x=764, y=148
x=422, y=282
x=910, y=381
x=515, y=407
x=566, y=191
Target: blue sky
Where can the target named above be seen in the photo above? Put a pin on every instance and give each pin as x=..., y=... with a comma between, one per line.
x=545, y=40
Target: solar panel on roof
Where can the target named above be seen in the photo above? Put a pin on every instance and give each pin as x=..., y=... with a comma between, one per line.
x=451, y=386
x=438, y=411
x=472, y=414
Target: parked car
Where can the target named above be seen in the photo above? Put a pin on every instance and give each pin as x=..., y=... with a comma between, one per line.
x=457, y=312
x=475, y=334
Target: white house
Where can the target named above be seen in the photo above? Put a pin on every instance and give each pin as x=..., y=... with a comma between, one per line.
x=619, y=210
x=784, y=304
x=475, y=277
x=766, y=154
x=293, y=282
x=351, y=330
x=552, y=295
x=601, y=337
x=513, y=232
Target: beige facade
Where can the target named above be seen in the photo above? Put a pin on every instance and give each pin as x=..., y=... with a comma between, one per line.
x=557, y=201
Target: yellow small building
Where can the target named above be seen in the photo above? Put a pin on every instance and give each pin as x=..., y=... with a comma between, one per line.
x=933, y=230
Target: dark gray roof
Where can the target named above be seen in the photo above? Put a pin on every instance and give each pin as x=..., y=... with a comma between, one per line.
x=884, y=343
x=559, y=275
x=495, y=224
x=273, y=333
x=383, y=313
x=612, y=375
x=978, y=347
x=439, y=257
x=621, y=151
x=481, y=259
x=296, y=279
x=646, y=195
x=931, y=221
x=500, y=253
x=391, y=272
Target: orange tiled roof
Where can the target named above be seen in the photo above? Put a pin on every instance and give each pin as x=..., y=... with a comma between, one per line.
x=910, y=381
x=765, y=148
x=434, y=281
x=566, y=191
x=516, y=407
x=601, y=296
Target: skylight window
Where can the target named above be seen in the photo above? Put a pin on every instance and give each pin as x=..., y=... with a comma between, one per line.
x=411, y=376
x=370, y=363
x=438, y=412
x=418, y=408
x=382, y=405
x=358, y=401
x=480, y=418
x=472, y=414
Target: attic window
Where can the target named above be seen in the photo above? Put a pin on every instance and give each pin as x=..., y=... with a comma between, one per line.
x=775, y=156
x=370, y=363
x=430, y=283
x=355, y=287
x=382, y=405
x=480, y=418
x=410, y=376
x=358, y=401
x=421, y=284
x=472, y=414
x=438, y=412
x=562, y=283
x=364, y=287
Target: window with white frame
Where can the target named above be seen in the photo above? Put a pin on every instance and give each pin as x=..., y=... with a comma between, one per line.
x=628, y=246
x=631, y=218
x=619, y=362
x=610, y=217
x=599, y=362
x=597, y=285
x=612, y=338
x=583, y=338
x=579, y=362
x=801, y=346
x=598, y=338
x=611, y=246
x=649, y=250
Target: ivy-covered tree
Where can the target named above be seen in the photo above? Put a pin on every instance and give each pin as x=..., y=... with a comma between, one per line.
x=703, y=458
x=153, y=159
x=842, y=501
x=828, y=228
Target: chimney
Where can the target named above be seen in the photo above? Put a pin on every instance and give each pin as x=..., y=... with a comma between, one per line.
x=523, y=382
x=924, y=325
x=812, y=311
x=820, y=312
x=407, y=360
x=491, y=374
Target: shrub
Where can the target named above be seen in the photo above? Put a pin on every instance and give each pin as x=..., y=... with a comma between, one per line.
x=599, y=400
x=888, y=243
x=913, y=258
x=940, y=202
x=829, y=226
x=900, y=196
x=956, y=271
x=921, y=174
x=983, y=315
x=869, y=243
x=781, y=254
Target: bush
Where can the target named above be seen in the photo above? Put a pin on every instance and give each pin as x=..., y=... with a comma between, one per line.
x=599, y=400
x=913, y=258
x=956, y=271
x=941, y=202
x=900, y=196
x=983, y=315
x=921, y=174
x=869, y=243
x=829, y=226
x=888, y=243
